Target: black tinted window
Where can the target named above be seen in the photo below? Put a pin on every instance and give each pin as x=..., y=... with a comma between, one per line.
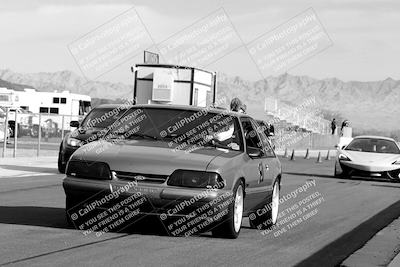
x=250, y=134
x=43, y=110
x=373, y=145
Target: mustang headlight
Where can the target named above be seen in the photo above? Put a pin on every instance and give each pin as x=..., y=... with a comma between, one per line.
x=74, y=142
x=344, y=157
x=89, y=170
x=196, y=179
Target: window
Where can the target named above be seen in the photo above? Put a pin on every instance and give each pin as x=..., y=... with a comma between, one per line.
x=43, y=110
x=252, y=139
x=25, y=108
x=269, y=151
x=54, y=110
x=262, y=131
x=209, y=98
x=139, y=123
x=84, y=107
x=373, y=145
x=196, y=97
x=56, y=100
x=63, y=100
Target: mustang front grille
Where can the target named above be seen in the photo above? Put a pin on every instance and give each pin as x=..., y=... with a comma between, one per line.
x=141, y=177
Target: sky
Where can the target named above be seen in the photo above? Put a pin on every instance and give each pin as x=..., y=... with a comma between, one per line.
x=35, y=35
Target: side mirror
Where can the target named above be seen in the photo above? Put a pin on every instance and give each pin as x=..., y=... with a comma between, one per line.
x=254, y=152
x=74, y=124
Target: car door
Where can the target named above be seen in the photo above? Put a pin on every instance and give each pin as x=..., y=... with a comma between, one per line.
x=272, y=163
x=255, y=168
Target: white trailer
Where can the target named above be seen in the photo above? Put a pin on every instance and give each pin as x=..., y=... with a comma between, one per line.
x=54, y=107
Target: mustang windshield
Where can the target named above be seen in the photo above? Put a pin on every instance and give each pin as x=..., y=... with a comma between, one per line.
x=182, y=129
x=373, y=145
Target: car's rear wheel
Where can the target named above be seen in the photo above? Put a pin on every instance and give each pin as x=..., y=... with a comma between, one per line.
x=269, y=218
x=230, y=227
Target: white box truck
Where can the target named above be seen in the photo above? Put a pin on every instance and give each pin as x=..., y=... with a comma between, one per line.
x=171, y=84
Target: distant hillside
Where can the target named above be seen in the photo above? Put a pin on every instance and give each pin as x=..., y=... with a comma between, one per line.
x=15, y=86
x=67, y=80
x=368, y=105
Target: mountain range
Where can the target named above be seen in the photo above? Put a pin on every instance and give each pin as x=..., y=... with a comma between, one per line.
x=371, y=105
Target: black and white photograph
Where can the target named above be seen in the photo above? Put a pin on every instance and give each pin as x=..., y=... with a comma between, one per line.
x=200, y=133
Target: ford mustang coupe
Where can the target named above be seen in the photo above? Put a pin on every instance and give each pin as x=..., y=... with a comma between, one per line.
x=372, y=156
x=195, y=169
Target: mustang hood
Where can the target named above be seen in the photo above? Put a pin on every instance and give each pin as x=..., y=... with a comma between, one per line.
x=147, y=157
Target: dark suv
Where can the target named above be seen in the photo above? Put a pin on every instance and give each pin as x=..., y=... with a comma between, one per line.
x=92, y=128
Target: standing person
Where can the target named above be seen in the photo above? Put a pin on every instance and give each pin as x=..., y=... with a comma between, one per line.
x=271, y=129
x=333, y=126
x=345, y=123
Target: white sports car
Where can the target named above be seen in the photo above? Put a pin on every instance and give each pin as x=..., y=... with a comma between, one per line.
x=372, y=156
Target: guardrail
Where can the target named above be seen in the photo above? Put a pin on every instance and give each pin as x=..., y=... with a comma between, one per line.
x=39, y=132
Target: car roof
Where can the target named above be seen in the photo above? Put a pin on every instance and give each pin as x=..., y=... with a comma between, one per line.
x=121, y=106
x=193, y=108
x=374, y=137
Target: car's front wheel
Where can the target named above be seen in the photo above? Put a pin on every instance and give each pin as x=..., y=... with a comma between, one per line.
x=230, y=227
x=342, y=174
x=394, y=175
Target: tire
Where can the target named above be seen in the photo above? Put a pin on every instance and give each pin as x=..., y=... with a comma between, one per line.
x=269, y=218
x=393, y=176
x=69, y=203
x=61, y=166
x=232, y=222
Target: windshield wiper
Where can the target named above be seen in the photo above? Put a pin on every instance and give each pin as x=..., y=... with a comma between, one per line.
x=143, y=136
x=117, y=135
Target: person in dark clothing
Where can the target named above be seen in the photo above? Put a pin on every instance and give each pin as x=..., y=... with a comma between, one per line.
x=333, y=126
x=271, y=129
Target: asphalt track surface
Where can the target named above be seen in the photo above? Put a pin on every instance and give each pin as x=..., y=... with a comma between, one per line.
x=33, y=231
